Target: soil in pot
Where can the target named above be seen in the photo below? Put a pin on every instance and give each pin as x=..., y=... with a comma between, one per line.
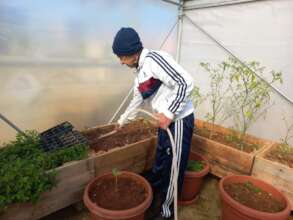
x=283, y=153
x=130, y=133
x=230, y=140
x=124, y=194
x=251, y=196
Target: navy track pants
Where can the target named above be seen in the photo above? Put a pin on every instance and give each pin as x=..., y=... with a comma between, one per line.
x=161, y=175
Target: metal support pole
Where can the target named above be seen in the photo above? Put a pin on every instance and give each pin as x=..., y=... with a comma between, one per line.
x=179, y=30
x=11, y=124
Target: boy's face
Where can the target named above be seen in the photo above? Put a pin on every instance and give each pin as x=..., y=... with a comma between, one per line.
x=130, y=61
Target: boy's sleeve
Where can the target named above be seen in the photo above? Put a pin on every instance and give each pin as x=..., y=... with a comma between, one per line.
x=130, y=112
x=181, y=85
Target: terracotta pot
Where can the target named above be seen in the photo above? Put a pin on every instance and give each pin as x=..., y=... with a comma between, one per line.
x=232, y=210
x=135, y=213
x=193, y=181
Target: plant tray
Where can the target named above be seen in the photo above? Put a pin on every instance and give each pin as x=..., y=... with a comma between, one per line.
x=61, y=136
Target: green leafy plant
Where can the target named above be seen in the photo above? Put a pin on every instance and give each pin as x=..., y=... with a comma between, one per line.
x=251, y=187
x=26, y=170
x=217, y=94
x=285, y=149
x=116, y=173
x=195, y=165
x=197, y=97
x=289, y=132
x=249, y=95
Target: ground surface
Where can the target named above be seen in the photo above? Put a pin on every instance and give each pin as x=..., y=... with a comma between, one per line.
x=207, y=207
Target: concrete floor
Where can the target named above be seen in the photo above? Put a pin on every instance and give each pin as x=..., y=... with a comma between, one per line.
x=207, y=207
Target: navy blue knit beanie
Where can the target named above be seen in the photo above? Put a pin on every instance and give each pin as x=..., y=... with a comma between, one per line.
x=126, y=42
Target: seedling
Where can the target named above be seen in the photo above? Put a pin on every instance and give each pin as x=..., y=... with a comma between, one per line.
x=116, y=173
x=252, y=187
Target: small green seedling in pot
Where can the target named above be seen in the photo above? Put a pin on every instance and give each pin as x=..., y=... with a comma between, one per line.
x=195, y=165
x=116, y=173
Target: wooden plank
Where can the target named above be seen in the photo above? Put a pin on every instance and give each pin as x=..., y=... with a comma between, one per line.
x=275, y=173
x=225, y=160
x=72, y=168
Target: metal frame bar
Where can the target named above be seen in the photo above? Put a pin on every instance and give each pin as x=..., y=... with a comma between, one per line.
x=11, y=124
x=179, y=30
x=173, y=2
x=199, y=4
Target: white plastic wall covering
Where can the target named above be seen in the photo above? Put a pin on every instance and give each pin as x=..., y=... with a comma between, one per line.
x=237, y=58
x=260, y=31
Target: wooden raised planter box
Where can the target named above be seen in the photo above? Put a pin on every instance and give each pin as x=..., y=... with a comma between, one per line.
x=275, y=173
x=72, y=177
x=135, y=157
x=225, y=160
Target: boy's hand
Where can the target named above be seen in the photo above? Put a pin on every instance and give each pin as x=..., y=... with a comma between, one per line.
x=163, y=120
x=118, y=127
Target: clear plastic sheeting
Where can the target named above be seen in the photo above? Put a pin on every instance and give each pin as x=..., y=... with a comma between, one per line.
x=56, y=61
x=260, y=31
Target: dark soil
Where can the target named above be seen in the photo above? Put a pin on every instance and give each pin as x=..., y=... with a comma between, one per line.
x=125, y=195
x=253, y=197
x=282, y=153
x=229, y=140
x=130, y=133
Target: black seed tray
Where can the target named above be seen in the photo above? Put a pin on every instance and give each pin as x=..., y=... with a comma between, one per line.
x=61, y=136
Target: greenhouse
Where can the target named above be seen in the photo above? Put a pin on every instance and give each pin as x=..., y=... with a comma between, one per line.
x=146, y=110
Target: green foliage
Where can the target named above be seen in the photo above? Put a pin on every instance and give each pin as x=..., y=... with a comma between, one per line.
x=115, y=172
x=240, y=143
x=195, y=165
x=249, y=95
x=24, y=168
x=217, y=93
x=289, y=133
x=59, y=157
x=251, y=187
x=285, y=150
x=197, y=97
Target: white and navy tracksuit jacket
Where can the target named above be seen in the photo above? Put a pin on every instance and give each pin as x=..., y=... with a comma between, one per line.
x=167, y=87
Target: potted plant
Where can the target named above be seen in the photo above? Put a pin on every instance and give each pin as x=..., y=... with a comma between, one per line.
x=246, y=197
x=122, y=195
x=197, y=169
x=275, y=164
x=247, y=98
